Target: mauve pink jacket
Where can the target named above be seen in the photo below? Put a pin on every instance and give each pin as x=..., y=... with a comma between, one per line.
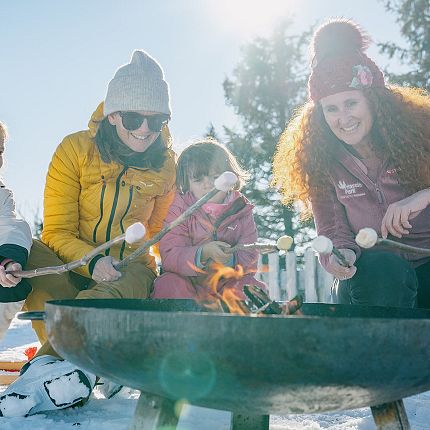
x=354, y=201
x=178, y=247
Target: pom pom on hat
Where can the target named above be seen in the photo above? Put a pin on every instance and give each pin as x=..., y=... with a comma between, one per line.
x=339, y=60
x=338, y=37
x=138, y=85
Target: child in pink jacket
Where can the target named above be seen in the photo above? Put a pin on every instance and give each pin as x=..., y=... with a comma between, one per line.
x=190, y=249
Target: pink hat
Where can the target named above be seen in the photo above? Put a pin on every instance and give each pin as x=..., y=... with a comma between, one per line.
x=339, y=62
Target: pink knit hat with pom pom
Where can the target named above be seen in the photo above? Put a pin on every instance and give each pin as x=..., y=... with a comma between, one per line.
x=339, y=62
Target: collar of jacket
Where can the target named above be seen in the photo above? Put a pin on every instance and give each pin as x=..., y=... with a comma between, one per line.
x=189, y=200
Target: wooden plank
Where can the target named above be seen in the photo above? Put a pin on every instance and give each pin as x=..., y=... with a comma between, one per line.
x=6, y=379
x=246, y=422
x=263, y=270
x=311, y=295
x=274, y=290
x=324, y=283
x=291, y=269
x=12, y=365
x=391, y=416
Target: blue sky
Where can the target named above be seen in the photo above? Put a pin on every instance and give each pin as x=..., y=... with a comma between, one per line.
x=58, y=56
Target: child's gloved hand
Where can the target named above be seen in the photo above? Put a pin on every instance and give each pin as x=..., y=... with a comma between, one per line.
x=8, y=280
x=216, y=252
x=104, y=270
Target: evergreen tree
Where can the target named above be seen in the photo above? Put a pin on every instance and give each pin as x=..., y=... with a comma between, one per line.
x=211, y=132
x=269, y=82
x=414, y=19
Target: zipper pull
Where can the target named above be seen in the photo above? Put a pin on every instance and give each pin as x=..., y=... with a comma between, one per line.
x=378, y=192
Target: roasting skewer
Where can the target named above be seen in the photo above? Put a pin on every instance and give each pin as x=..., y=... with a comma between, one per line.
x=282, y=244
x=324, y=246
x=225, y=182
x=133, y=233
x=367, y=238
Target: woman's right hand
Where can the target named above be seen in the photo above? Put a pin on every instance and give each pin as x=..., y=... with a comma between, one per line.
x=216, y=252
x=104, y=271
x=337, y=270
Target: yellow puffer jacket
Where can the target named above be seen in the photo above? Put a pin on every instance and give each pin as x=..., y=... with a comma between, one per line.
x=88, y=201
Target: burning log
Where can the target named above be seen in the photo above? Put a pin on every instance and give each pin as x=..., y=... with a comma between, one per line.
x=259, y=299
x=224, y=182
x=133, y=233
x=229, y=300
x=367, y=238
x=282, y=244
x=324, y=246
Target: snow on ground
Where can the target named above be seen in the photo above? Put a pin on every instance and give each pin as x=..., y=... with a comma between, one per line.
x=117, y=413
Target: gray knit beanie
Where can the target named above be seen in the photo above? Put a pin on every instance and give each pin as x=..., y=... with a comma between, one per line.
x=138, y=85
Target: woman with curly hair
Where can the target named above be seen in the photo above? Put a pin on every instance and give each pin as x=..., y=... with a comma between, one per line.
x=357, y=154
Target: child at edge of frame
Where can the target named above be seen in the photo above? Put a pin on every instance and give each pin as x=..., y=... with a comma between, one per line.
x=15, y=244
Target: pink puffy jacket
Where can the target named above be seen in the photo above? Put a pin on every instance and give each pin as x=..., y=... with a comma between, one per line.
x=178, y=247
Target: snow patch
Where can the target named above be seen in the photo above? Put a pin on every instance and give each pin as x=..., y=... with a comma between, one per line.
x=15, y=405
x=66, y=389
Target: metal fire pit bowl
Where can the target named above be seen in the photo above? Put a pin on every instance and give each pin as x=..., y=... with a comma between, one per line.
x=333, y=357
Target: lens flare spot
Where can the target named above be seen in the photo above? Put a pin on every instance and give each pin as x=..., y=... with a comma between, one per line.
x=185, y=375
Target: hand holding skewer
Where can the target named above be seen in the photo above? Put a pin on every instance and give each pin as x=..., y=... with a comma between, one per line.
x=367, y=238
x=133, y=233
x=224, y=182
x=323, y=245
x=340, y=262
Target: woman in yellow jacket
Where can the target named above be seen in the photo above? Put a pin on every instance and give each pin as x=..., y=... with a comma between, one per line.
x=101, y=180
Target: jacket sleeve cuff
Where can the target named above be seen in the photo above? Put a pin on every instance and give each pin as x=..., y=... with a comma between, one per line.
x=197, y=261
x=93, y=262
x=15, y=294
x=353, y=247
x=232, y=261
x=14, y=252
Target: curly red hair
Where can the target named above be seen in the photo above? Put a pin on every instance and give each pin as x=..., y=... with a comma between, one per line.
x=400, y=131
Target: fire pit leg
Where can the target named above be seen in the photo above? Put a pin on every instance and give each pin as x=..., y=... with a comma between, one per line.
x=153, y=413
x=391, y=416
x=249, y=422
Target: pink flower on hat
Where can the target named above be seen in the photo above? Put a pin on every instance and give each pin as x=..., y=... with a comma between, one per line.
x=363, y=77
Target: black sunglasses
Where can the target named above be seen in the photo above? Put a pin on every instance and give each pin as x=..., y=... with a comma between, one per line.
x=133, y=120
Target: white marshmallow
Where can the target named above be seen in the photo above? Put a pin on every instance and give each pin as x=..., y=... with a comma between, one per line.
x=226, y=181
x=135, y=232
x=284, y=243
x=322, y=245
x=366, y=237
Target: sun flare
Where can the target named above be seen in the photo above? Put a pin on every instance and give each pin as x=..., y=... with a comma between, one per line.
x=251, y=17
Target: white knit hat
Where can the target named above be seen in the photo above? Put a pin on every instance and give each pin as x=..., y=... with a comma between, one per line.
x=138, y=85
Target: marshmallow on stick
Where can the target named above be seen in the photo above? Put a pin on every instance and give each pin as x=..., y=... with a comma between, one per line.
x=324, y=246
x=133, y=233
x=282, y=244
x=224, y=182
x=367, y=238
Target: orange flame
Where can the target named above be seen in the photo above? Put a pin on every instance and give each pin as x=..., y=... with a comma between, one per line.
x=220, y=271
x=213, y=297
x=232, y=300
